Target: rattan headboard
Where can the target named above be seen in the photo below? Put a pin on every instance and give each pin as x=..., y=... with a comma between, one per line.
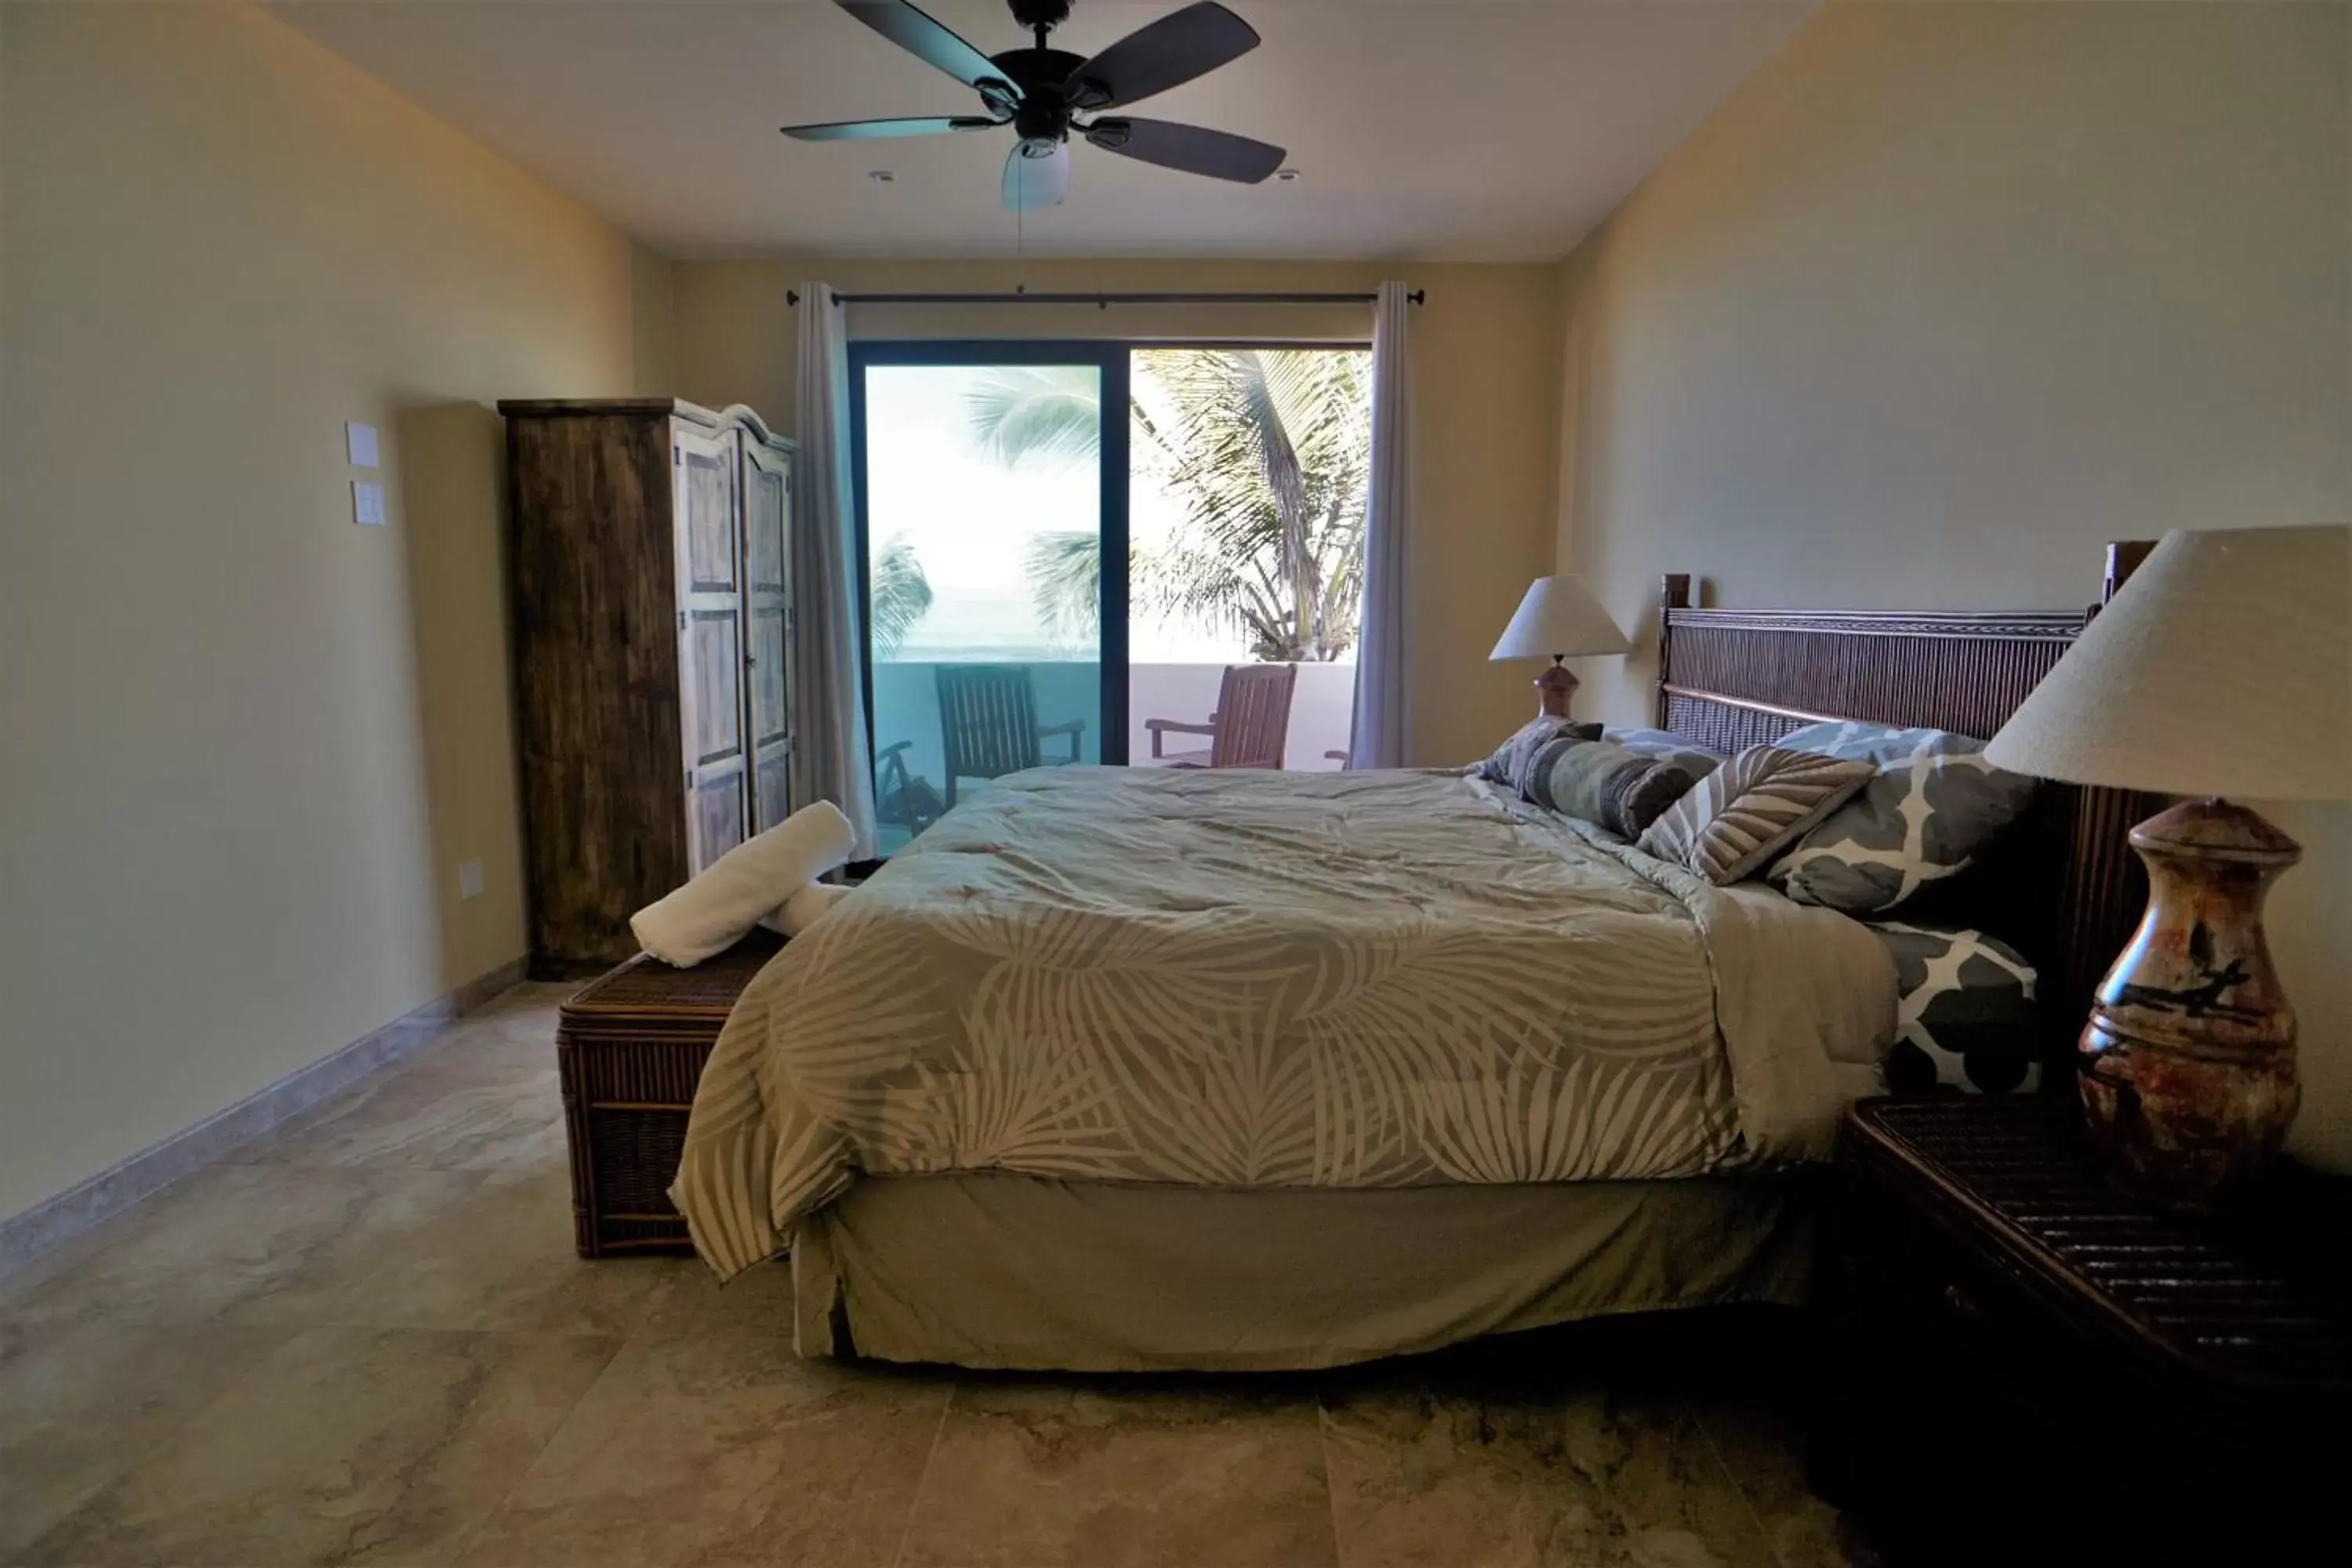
x=2063, y=885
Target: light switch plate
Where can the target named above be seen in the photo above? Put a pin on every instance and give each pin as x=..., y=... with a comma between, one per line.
x=469, y=879
x=367, y=503
x=360, y=439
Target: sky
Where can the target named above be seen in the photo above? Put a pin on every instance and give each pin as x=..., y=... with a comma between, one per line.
x=969, y=518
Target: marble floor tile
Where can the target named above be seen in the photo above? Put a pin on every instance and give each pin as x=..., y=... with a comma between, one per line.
x=1764, y=1447
x=502, y=1260
x=82, y=1402
x=1033, y=1473
x=257, y=1244
x=1434, y=1476
x=723, y=1449
x=434, y=1115
x=344, y=1445
x=691, y=1299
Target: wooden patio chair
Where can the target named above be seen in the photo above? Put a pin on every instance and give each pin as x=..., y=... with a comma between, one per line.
x=1250, y=727
x=988, y=723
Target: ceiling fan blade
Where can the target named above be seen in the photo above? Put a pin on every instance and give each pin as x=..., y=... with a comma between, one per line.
x=930, y=41
x=1168, y=53
x=1194, y=149
x=873, y=129
x=1035, y=182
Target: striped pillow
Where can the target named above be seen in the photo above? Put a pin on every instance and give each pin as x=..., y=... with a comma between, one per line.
x=1750, y=809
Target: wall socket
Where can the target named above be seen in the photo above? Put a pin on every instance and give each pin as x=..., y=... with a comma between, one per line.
x=469, y=879
x=367, y=503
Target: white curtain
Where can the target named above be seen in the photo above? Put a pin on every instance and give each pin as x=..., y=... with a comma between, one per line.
x=1379, y=727
x=831, y=760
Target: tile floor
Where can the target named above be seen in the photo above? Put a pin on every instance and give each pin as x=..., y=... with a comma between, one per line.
x=366, y=1339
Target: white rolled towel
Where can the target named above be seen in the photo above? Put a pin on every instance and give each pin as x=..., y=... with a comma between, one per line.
x=804, y=909
x=711, y=913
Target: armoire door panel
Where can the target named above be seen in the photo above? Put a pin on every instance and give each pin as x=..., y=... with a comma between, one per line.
x=709, y=514
x=767, y=530
x=715, y=654
x=711, y=641
x=771, y=705
x=717, y=808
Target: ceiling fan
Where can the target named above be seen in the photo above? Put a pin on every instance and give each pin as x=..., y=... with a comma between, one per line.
x=1041, y=92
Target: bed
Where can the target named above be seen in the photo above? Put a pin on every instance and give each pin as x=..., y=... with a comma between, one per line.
x=1120, y=1071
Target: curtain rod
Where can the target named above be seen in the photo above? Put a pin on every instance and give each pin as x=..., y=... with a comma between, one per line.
x=1100, y=301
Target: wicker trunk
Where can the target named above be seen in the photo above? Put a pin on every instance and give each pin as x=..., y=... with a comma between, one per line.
x=630, y=1049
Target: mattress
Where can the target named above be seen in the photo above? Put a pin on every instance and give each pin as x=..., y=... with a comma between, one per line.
x=998, y=1270
x=1966, y=1015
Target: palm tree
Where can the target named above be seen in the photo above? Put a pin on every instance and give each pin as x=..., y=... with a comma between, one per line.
x=1269, y=449
x=901, y=595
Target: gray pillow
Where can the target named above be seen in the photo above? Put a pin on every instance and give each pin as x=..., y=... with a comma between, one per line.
x=1933, y=808
x=1607, y=786
x=1965, y=1014
x=1510, y=764
x=1668, y=747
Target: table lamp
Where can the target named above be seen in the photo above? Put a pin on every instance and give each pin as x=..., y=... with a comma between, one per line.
x=2222, y=668
x=1558, y=620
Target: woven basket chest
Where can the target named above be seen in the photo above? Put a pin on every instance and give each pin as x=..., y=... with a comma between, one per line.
x=630, y=1048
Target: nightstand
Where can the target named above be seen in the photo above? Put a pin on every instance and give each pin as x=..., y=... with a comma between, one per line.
x=2028, y=1363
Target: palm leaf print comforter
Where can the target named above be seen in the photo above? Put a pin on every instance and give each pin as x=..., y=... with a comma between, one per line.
x=1250, y=979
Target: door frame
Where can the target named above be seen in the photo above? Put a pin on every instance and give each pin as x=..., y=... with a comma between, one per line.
x=1109, y=358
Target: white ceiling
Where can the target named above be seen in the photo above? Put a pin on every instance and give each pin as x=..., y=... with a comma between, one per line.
x=1451, y=130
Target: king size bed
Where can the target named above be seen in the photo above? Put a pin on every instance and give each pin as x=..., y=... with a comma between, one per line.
x=1129, y=1069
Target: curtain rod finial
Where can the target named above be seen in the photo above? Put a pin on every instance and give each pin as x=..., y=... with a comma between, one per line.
x=1418, y=296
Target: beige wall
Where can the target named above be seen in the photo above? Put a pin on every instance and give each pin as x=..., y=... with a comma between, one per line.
x=1485, y=406
x=1945, y=297
x=247, y=743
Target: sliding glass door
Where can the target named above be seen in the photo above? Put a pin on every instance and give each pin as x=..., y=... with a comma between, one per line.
x=993, y=519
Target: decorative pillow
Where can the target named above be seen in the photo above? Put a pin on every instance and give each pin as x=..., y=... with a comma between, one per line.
x=1934, y=807
x=1750, y=809
x=1509, y=764
x=1668, y=747
x=1605, y=784
x=1966, y=1018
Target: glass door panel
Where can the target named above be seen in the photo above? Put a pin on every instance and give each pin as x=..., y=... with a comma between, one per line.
x=1249, y=467
x=983, y=506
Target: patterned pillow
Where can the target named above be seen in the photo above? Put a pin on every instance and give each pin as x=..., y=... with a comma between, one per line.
x=1509, y=764
x=1668, y=747
x=1966, y=1018
x=1605, y=784
x=1750, y=809
x=1934, y=807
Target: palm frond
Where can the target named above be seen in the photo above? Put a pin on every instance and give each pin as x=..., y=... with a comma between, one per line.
x=1065, y=572
x=901, y=595
x=1048, y=413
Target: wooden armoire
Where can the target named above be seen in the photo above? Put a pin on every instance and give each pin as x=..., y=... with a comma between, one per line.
x=651, y=564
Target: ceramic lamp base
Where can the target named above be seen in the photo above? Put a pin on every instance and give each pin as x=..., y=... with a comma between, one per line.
x=1554, y=689
x=2187, y=1063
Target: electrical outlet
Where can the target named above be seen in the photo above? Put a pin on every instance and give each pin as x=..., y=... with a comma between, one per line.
x=367, y=503
x=469, y=879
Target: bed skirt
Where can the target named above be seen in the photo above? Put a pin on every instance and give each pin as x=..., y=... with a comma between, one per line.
x=1000, y=1270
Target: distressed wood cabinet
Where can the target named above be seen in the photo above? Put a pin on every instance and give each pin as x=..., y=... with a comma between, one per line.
x=651, y=550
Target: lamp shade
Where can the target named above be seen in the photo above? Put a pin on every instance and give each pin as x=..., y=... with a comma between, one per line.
x=2223, y=667
x=1559, y=617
